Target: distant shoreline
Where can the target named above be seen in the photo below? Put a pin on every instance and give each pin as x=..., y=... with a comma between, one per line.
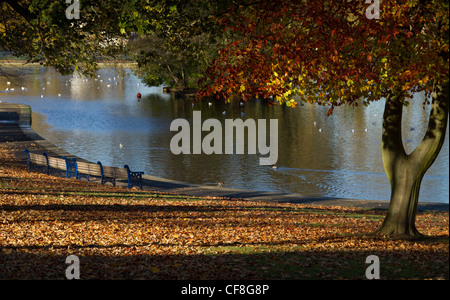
x=102, y=63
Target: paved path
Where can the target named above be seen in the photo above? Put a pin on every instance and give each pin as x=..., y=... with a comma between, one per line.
x=23, y=137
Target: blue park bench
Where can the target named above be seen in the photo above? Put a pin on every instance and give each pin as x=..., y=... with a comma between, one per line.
x=84, y=170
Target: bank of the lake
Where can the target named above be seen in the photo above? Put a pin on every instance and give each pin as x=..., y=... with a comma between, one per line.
x=15, y=130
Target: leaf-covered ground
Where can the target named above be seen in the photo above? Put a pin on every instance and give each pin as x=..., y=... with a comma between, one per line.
x=119, y=233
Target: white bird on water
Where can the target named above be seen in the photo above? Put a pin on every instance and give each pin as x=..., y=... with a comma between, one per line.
x=320, y=129
x=120, y=146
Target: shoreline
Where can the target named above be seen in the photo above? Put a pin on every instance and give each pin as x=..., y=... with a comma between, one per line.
x=24, y=62
x=23, y=137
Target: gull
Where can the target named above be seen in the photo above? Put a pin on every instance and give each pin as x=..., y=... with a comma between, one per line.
x=120, y=146
x=42, y=96
x=59, y=95
x=353, y=130
x=23, y=88
x=320, y=129
x=365, y=130
x=12, y=89
x=274, y=167
x=8, y=83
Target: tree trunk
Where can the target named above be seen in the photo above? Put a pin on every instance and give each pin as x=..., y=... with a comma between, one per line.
x=405, y=171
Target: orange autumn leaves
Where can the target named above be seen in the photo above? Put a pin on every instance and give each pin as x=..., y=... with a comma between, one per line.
x=129, y=234
x=313, y=50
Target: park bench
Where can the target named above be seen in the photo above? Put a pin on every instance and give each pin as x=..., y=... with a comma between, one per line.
x=112, y=174
x=84, y=170
x=49, y=162
x=37, y=161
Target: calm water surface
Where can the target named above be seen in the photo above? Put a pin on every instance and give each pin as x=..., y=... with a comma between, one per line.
x=337, y=156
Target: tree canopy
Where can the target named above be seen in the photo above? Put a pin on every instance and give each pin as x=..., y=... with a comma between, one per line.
x=177, y=40
x=41, y=31
x=329, y=52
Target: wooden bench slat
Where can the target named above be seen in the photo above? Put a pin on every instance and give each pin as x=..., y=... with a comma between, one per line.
x=57, y=163
x=38, y=159
x=121, y=173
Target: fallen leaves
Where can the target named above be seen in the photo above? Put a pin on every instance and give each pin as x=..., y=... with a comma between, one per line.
x=126, y=234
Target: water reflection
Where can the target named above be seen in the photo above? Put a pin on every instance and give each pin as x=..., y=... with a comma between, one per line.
x=337, y=156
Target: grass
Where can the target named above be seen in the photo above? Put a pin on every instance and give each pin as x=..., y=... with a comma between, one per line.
x=121, y=233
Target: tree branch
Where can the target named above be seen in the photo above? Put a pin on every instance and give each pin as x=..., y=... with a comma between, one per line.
x=428, y=150
x=24, y=12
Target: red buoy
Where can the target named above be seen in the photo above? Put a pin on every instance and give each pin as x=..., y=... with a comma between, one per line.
x=139, y=96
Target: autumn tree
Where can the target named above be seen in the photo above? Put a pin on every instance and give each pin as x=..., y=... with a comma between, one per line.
x=335, y=53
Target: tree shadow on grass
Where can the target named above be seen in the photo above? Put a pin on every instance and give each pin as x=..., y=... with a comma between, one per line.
x=294, y=265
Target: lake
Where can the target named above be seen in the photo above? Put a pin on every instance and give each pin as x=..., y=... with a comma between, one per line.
x=336, y=156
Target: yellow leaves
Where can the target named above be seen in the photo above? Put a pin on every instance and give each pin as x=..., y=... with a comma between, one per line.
x=291, y=103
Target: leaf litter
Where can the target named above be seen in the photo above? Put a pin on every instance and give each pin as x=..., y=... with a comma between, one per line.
x=121, y=233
